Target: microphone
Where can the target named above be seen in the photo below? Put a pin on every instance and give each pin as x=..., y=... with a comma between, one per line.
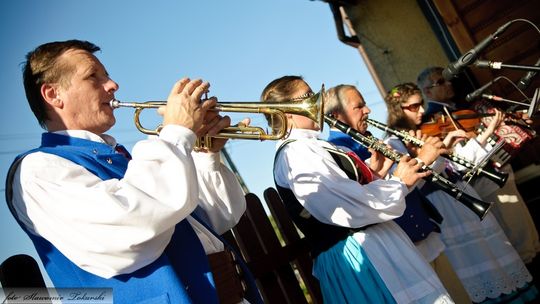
x=475, y=94
x=493, y=97
x=468, y=58
x=525, y=81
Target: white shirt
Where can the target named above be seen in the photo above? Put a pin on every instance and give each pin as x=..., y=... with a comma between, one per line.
x=476, y=153
x=346, y=203
x=472, y=150
x=116, y=226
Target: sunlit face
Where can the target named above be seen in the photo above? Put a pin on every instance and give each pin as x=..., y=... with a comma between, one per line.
x=414, y=109
x=440, y=89
x=85, y=96
x=355, y=111
x=299, y=121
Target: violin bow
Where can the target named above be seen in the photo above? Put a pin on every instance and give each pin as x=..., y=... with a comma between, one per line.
x=451, y=118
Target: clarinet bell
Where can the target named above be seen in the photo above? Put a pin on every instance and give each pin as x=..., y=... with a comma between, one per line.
x=479, y=207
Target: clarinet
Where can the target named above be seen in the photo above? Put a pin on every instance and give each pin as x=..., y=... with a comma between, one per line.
x=480, y=208
x=498, y=177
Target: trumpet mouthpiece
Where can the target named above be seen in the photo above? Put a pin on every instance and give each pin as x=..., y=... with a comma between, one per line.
x=115, y=104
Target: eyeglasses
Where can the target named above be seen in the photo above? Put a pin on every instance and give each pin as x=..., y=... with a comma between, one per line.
x=438, y=82
x=413, y=107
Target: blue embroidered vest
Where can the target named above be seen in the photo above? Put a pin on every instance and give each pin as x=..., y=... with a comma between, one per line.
x=180, y=275
x=420, y=217
x=341, y=139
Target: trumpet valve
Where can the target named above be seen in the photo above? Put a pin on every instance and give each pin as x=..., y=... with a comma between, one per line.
x=203, y=143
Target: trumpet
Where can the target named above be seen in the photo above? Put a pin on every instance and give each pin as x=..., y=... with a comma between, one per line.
x=480, y=208
x=473, y=169
x=311, y=107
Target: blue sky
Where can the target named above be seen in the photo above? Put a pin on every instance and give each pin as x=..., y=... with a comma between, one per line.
x=238, y=46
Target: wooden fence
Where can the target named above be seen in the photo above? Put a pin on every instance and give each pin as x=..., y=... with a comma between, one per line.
x=283, y=272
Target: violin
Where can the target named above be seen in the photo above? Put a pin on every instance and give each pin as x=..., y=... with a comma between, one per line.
x=467, y=120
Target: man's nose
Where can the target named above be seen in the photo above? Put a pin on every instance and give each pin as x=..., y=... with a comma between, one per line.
x=112, y=85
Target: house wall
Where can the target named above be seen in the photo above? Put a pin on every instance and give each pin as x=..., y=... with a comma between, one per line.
x=397, y=39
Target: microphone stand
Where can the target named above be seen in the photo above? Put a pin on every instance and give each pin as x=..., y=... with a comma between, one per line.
x=497, y=65
x=497, y=98
x=535, y=104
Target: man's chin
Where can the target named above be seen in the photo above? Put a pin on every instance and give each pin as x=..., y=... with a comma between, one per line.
x=362, y=128
x=106, y=127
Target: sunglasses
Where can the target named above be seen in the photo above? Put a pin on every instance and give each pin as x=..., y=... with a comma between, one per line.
x=438, y=82
x=415, y=107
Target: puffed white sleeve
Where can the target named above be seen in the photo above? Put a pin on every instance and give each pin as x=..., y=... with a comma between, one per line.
x=221, y=197
x=326, y=192
x=115, y=226
x=472, y=150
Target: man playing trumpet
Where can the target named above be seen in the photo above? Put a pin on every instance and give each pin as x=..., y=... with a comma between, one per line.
x=144, y=225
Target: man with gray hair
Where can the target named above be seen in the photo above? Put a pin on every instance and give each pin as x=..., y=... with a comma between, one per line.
x=420, y=220
x=338, y=100
x=437, y=91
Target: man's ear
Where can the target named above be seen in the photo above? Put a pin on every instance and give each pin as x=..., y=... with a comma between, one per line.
x=50, y=93
x=336, y=115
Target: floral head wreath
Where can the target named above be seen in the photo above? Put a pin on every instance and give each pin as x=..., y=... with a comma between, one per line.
x=395, y=92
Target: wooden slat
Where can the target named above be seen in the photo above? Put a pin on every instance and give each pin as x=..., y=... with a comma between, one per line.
x=277, y=257
x=252, y=249
x=229, y=237
x=290, y=234
x=454, y=23
x=267, y=259
x=280, y=214
x=486, y=16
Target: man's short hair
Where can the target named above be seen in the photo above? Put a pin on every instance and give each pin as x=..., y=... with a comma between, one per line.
x=42, y=66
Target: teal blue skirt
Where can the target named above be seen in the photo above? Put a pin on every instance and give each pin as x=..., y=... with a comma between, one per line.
x=347, y=276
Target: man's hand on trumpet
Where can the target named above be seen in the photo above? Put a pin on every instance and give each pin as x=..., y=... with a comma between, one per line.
x=184, y=105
